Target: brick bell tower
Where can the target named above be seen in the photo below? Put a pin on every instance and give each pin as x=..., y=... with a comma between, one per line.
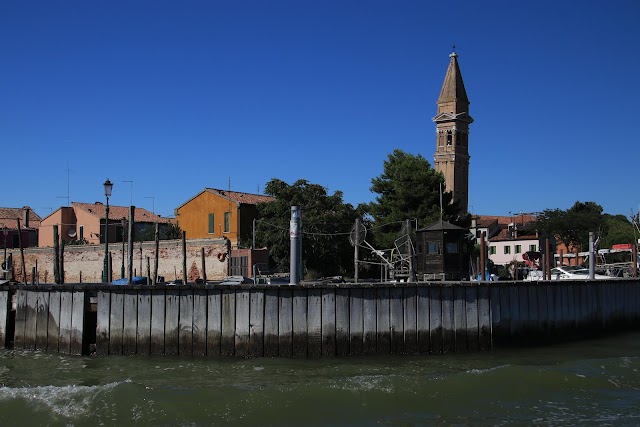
x=452, y=135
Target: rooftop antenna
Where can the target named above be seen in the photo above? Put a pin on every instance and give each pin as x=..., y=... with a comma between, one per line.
x=454, y=47
x=68, y=196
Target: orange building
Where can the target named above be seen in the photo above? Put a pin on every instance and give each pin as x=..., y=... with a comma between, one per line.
x=220, y=213
x=85, y=222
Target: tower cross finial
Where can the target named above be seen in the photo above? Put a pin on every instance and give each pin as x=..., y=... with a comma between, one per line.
x=454, y=47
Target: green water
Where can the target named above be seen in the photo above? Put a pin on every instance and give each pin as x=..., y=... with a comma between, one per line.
x=583, y=383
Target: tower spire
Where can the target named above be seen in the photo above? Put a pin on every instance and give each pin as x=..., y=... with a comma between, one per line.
x=452, y=134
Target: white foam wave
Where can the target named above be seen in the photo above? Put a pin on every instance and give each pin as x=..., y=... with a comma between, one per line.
x=484, y=371
x=67, y=401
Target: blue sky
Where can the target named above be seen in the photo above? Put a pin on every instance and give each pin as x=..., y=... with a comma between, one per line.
x=166, y=98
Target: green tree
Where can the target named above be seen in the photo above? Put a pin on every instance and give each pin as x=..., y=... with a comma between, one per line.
x=168, y=231
x=408, y=188
x=572, y=226
x=617, y=229
x=326, y=222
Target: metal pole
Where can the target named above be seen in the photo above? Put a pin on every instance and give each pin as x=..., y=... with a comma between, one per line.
x=483, y=247
x=106, y=244
x=132, y=212
x=294, y=233
x=253, y=243
x=124, y=223
x=592, y=265
x=356, y=246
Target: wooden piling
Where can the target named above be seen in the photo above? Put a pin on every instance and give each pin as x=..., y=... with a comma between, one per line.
x=42, y=320
x=356, y=322
x=130, y=322
x=423, y=319
x=56, y=255
x=214, y=322
x=285, y=323
x=5, y=311
x=314, y=319
x=342, y=322
x=369, y=314
x=143, y=335
x=256, y=323
x=299, y=323
x=383, y=335
x=242, y=333
x=328, y=322
x=271, y=317
x=396, y=320
x=185, y=334
x=172, y=322
x=158, y=305
x=199, y=322
x=228, y=342
x=53, y=323
x=410, y=320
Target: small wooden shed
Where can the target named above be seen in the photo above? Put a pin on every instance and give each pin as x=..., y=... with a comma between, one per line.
x=442, y=252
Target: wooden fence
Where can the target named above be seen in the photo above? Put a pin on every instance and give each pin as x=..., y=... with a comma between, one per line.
x=311, y=320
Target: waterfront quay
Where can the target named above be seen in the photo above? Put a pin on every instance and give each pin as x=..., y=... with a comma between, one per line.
x=311, y=319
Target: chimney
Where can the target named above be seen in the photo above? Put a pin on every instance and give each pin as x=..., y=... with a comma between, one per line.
x=25, y=219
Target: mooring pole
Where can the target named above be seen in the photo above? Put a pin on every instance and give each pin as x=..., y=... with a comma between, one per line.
x=56, y=256
x=483, y=248
x=592, y=264
x=157, y=242
x=132, y=212
x=356, y=246
x=294, y=233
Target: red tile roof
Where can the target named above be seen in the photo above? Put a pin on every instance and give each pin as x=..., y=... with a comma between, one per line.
x=237, y=196
x=118, y=212
x=506, y=220
x=8, y=218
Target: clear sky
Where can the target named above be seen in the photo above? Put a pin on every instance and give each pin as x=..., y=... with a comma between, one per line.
x=166, y=98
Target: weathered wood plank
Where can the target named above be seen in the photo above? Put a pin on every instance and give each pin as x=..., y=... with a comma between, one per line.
x=314, y=319
x=42, y=321
x=78, y=344
x=172, y=322
x=300, y=323
x=369, y=315
x=185, y=334
x=472, y=302
x=514, y=306
x=460, y=319
x=143, y=332
x=285, y=323
x=448, y=323
x=328, y=322
x=130, y=322
x=5, y=311
x=435, y=320
x=31, y=318
x=506, y=314
x=116, y=316
x=342, y=322
x=543, y=308
x=66, y=311
x=423, y=318
x=534, y=322
x=53, y=325
x=214, y=322
x=410, y=320
x=564, y=298
x=497, y=327
x=484, y=318
x=199, y=322
x=243, y=310
x=271, y=317
x=158, y=305
x=383, y=321
x=396, y=320
x=228, y=342
x=523, y=309
x=256, y=335
x=356, y=322
x=571, y=308
x=21, y=312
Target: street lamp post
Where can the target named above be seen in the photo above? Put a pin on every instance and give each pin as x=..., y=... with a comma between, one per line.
x=108, y=186
x=124, y=224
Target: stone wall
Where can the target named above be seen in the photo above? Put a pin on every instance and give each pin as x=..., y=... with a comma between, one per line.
x=83, y=263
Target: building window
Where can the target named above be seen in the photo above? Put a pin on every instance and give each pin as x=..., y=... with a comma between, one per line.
x=532, y=248
x=492, y=250
x=452, y=248
x=433, y=248
x=449, y=138
x=212, y=224
x=227, y=221
x=81, y=235
x=518, y=249
x=507, y=250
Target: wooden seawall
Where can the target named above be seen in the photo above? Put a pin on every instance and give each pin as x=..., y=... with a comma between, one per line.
x=311, y=320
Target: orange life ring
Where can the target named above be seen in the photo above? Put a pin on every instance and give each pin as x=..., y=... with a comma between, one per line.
x=221, y=256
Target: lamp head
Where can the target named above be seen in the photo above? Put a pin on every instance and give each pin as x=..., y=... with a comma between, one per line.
x=108, y=186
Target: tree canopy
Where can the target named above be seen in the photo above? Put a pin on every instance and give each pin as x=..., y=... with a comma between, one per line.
x=326, y=222
x=408, y=188
x=572, y=226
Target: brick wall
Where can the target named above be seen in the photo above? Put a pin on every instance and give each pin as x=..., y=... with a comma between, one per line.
x=84, y=263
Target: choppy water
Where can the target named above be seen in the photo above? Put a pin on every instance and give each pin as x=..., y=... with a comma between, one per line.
x=588, y=383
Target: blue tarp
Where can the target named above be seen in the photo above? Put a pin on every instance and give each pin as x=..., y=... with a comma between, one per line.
x=137, y=280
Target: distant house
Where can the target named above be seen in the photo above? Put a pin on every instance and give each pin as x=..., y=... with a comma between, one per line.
x=29, y=222
x=220, y=213
x=85, y=223
x=507, y=237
